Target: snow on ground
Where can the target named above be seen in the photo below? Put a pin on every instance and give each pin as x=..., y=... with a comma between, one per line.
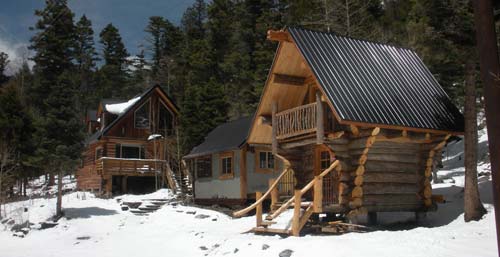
x=98, y=227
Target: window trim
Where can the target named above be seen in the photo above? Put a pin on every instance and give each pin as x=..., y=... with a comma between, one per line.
x=130, y=145
x=222, y=156
x=149, y=114
x=168, y=109
x=258, y=169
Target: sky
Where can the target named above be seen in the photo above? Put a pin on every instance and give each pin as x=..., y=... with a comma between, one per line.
x=129, y=16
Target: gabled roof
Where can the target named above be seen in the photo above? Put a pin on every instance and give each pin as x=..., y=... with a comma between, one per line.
x=375, y=83
x=225, y=137
x=136, y=101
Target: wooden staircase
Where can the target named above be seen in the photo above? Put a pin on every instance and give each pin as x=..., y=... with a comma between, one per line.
x=302, y=210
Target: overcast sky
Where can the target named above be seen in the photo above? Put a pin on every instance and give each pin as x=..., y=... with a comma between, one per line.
x=129, y=16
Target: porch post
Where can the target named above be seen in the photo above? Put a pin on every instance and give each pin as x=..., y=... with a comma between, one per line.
x=320, y=127
x=274, y=127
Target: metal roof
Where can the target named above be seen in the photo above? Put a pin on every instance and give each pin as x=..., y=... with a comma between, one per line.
x=376, y=83
x=225, y=137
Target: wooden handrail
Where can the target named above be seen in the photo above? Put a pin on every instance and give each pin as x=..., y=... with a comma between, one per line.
x=242, y=212
x=302, y=192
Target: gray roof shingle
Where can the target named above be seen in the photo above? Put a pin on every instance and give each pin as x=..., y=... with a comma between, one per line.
x=225, y=137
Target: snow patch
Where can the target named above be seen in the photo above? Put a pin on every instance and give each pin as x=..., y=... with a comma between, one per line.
x=120, y=108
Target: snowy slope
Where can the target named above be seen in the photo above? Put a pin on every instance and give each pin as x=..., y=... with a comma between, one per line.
x=98, y=227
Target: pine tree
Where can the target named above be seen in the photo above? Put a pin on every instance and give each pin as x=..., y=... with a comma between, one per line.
x=155, y=30
x=85, y=59
x=53, y=46
x=4, y=61
x=113, y=74
x=54, y=96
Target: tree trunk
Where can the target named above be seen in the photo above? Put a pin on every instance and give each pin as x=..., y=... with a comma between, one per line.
x=1, y=190
x=59, y=212
x=473, y=208
x=51, y=179
x=25, y=182
x=490, y=70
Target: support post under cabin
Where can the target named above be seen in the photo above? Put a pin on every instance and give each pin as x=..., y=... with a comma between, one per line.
x=258, y=209
x=320, y=127
x=274, y=127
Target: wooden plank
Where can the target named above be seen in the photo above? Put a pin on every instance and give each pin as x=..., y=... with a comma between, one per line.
x=296, y=213
x=288, y=79
x=271, y=230
x=318, y=194
x=258, y=209
x=274, y=194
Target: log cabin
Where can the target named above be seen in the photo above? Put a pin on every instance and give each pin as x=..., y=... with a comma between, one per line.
x=360, y=124
x=131, y=147
x=227, y=171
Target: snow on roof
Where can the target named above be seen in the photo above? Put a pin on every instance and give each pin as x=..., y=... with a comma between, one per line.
x=120, y=108
x=154, y=136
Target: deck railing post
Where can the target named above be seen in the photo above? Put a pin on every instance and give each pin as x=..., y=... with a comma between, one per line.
x=318, y=194
x=320, y=127
x=258, y=209
x=274, y=194
x=296, y=213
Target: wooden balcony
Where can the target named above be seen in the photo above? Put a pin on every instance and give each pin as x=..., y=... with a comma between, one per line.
x=296, y=121
x=130, y=166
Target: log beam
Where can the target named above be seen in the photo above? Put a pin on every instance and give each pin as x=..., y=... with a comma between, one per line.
x=278, y=35
x=320, y=127
x=288, y=79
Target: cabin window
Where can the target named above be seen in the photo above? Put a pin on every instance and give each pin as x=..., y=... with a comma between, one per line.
x=165, y=121
x=98, y=153
x=324, y=160
x=226, y=165
x=130, y=151
x=265, y=161
x=141, y=116
x=204, y=167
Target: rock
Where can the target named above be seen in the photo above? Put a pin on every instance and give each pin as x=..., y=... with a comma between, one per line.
x=214, y=219
x=45, y=225
x=216, y=245
x=124, y=208
x=265, y=247
x=191, y=212
x=201, y=216
x=19, y=234
x=179, y=211
x=83, y=238
x=286, y=253
x=18, y=227
x=203, y=248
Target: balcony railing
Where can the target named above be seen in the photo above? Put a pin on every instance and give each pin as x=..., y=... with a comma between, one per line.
x=296, y=121
x=120, y=165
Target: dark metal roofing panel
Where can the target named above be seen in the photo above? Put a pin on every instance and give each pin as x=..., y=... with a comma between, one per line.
x=225, y=137
x=376, y=83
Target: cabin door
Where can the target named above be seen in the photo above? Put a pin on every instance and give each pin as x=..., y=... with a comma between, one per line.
x=322, y=160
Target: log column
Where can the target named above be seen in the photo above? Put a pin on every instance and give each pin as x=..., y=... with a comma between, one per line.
x=274, y=128
x=426, y=192
x=320, y=126
x=357, y=192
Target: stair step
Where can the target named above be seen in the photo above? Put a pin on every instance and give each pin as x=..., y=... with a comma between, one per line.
x=267, y=223
x=271, y=230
